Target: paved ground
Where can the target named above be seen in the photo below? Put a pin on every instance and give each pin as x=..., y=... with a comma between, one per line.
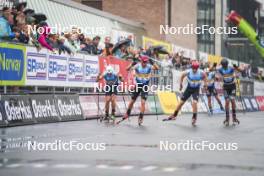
x=133, y=150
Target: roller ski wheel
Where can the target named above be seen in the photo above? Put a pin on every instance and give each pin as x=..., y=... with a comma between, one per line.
x=140, y=121
x=194, y=122
x=235, y=122
x=226, y=122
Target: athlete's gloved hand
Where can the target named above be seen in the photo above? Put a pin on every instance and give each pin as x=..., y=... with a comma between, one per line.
x=151, y=61
x=235, y=66
x=181, y=86
x=215, y=64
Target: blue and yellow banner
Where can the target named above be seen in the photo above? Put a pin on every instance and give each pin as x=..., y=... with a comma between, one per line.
x=12, y=64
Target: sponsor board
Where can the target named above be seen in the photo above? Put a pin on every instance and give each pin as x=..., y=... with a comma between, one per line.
x=57, y=68
x=44, y=108
x=247, y=104
x=168, y=101
x=154, y=104
x=89, y=106
x=17, y=109
x=12, y=64
x=119, y=68
x=260, y=101
x=37, y=67
x=2, y=120
x=91, y=70
x=69, y=107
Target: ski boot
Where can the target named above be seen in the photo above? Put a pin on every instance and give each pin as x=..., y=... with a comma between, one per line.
x=226, y=121
x=194, y=119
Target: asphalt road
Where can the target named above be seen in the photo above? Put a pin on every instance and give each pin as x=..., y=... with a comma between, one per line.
x=133, y=150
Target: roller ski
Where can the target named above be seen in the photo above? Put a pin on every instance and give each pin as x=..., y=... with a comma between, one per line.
x=169, y=118
x=194, y=119
x=125, y=117
x=235, y=122
x=226, y=122
x=140, y=120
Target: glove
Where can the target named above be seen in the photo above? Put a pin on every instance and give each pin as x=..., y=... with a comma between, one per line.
x=235, y=66
x=215, y=64
x=180, y=87
x=151, y=62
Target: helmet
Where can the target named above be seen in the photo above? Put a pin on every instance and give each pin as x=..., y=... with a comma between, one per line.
x=195, y=65
x=109, y=69
x=144, y=58
x=224, y=63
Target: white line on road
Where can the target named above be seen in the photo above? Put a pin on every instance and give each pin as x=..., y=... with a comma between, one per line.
x=126, y=167
x=169, y=169
x=149, y=168
x=39, y=165
x=70, y=166
x=102, y=166
x=15, y=165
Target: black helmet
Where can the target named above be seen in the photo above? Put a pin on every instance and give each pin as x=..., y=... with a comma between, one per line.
x=224, y=63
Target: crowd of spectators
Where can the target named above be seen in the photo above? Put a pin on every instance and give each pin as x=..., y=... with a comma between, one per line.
x=15, y=23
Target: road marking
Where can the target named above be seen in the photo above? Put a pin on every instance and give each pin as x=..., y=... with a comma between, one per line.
x=149, y=168
x=70, y=166
x=39, y=165
x=169, y=169
x=102, y=166
x=126, y=167
x=15, y=165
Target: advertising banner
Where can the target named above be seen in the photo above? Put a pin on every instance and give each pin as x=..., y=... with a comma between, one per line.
x=119, y=67
x=37, y=67
x=91, y=70
x=69, y=107
x=17, y=109
x=260, y=101
x=44, y=108
x=168, y=101
x=76, y=69
x=89, y=106
x=2, y=120
x=148, y=42
x=153, y=103
x=254, y=103
x=247, y=104
x=12, y=64
x=57, y=68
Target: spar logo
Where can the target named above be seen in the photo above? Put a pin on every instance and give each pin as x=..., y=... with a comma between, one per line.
x=11, y=64
x=17, y=110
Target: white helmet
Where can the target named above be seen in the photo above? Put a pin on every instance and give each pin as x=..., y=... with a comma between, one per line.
x=109, y=69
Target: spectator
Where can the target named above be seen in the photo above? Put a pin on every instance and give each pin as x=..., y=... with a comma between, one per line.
x=5, y=25
x=42, y=39
x=93, y=47
x=108, y=47
x=260, y=76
